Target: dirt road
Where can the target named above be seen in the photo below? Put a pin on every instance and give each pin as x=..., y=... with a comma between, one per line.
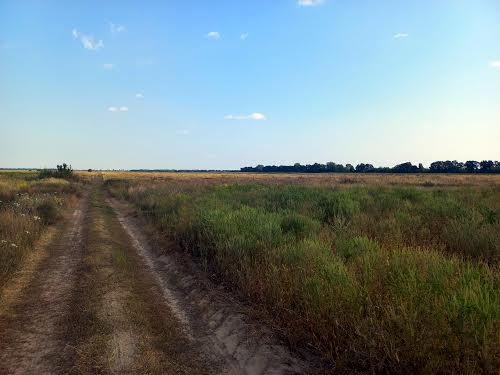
x=97, y=298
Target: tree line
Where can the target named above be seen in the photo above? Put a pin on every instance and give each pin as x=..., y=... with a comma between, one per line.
x=471, y=166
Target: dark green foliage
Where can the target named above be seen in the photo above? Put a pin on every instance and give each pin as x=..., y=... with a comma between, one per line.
x=62, y=171
x=471, y=166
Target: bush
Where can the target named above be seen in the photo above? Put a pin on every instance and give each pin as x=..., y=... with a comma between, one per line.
x=349, y=248
x=48, y=212
x=299, y=226
x=62, y=171
x=338, y=205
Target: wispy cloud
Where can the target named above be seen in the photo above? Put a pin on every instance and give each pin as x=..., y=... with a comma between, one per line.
x=495, y=64
x=183, y=132
x=253, y=116
x=118, y=109
x=108, y=66
x=115, y=29
x=244, y=36
x=400, y=35
x=139, y=96
x=88, y=41
x=309, y=3
x=213, y=35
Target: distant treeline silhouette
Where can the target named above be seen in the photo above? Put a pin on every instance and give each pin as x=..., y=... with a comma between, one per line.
x=471, y=166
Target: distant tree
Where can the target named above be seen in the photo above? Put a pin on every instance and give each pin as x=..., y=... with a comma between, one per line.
x=405, y=168
x=364, y=168
x=349, y=168
x=487, y=166
x=448, y=166
x=472, y=166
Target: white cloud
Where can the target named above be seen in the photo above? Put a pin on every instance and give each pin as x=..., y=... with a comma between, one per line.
x=115, y=29
x=183, y=132
x=400, y=35
x=139, y=96
x=88, y=41
x=213, y=35
x=309, y=3
x=118, y=109
x=244, y=36
x=108, y=66
x=495, y=64
x=253, y=116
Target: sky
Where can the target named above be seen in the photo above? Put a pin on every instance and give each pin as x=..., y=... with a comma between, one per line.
x=193, y=84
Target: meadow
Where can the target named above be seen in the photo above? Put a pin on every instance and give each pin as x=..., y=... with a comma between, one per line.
x=29, y=205
x=376, y=273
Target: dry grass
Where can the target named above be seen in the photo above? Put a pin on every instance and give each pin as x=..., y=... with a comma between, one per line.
x=324, y=179
x=27, y=207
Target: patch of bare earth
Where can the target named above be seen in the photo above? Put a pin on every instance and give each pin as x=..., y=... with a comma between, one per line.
x=214, y=321
x=36, y=301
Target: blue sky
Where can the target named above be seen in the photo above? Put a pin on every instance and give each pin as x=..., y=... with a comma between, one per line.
x=225, y=84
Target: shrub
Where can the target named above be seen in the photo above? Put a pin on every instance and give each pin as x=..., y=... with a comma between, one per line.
x=48, y=212
x=337, y=205
x=299, y=226
x=62, y=171
x=349, y=248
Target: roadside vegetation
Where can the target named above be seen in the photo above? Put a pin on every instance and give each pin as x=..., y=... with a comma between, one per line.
x=375, y=278
x=28, y=205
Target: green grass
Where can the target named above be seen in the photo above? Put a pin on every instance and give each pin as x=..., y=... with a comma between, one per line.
x=376, y=279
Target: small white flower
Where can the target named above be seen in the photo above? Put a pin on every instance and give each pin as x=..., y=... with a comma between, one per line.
x=13, y=245
x=23, y=215
x=27, y=231
x=3, y=241
x=36, y=217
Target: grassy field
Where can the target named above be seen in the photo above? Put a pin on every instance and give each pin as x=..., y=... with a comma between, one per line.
x=375, y=272
x=28, y=206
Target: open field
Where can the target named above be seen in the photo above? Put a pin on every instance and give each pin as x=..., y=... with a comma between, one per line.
x=376, y=272
x=310, y=179
x=159, y=273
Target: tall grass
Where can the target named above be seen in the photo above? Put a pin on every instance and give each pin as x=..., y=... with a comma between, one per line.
x=376, y=279
x=27, y=207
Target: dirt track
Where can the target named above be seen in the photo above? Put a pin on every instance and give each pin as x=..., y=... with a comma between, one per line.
x=101, y=300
